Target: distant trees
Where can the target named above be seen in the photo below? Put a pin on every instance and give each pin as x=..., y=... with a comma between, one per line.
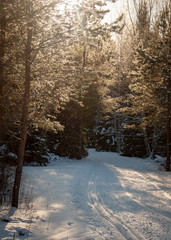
x=87, y=58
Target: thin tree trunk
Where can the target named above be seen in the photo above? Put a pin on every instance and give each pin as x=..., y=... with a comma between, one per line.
x=84, y=56
x=23, y=131
x=81, y=111
x=154, y=143
x=117, y=132
x=147, y=143
x=2, y=47
x=168, y=131
x=146, y=140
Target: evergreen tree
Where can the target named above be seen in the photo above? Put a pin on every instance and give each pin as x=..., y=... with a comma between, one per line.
x=34, y=15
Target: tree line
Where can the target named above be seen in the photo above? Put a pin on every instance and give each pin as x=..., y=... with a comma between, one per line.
x=139, y=122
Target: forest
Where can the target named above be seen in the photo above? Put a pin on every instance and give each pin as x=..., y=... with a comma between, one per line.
x=70, y=81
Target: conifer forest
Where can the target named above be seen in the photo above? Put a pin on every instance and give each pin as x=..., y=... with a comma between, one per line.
x=75, y=77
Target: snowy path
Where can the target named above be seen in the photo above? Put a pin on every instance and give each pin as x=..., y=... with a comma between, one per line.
x=104, y=196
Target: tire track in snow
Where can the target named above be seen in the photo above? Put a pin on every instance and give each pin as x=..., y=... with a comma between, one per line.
x=103, y=211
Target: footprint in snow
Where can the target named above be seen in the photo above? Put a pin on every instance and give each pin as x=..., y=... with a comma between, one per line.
x=43, y=220
x=70, y=223
x=22, y=231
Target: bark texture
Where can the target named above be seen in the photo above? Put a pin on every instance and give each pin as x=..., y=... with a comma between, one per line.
x=23, y=131
x=2, y=52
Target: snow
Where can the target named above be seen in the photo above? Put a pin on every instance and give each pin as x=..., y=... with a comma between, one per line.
x=12, y=155
x=104, y=196
x=3, y=148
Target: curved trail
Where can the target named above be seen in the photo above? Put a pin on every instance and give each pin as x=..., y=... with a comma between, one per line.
x=102, y=197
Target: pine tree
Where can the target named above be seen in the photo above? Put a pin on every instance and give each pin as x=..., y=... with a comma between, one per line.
x=32, y=16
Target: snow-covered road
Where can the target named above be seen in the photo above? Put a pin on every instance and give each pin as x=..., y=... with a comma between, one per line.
x=104, y=196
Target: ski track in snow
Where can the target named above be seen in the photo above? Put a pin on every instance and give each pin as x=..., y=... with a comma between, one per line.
x=102, y=197
x=104, y=212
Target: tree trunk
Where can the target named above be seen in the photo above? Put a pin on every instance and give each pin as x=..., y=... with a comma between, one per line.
x=84, y=56
x=2, y=47
x=146, y=140
x=168, y=130
x=23, y=130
